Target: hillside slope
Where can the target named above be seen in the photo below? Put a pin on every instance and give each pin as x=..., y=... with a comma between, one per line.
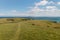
x=30, y=30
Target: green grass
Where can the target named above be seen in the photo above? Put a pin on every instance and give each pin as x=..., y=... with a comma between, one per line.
x=29, y=30
x=34, y=32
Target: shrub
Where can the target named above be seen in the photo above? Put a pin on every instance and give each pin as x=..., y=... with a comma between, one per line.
x=33, y=24
x=57, y=27
x=54, y=21
x=26, y=19
x=10, y=19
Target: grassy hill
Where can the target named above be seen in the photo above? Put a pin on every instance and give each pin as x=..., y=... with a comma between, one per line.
x=26, y=29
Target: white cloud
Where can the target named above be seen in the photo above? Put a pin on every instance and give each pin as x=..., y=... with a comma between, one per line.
x=51, y=2
x=50, y=11
x=35, y=9
x=47, y=14
x=13, y=11
x=1, y=14
x=52, y=8
x=47, y=8
x=44, y=2
x=58, y=3
x=35, y=14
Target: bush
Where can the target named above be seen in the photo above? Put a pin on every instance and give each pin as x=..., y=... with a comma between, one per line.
x=33, y=24
x=54, y=21
x=10, y=19
x=57, y=27
x=26, y=19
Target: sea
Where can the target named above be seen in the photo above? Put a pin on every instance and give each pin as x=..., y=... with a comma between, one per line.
x=47, y=18
x=39, y=18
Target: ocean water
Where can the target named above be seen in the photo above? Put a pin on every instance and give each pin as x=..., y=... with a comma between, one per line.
x=47, y=18
x=39, y=18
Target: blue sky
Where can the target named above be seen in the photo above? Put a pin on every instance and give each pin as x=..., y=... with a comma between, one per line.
x=20, y=5
x=49, y=8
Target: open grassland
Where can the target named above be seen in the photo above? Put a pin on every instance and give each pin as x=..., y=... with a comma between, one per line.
x=26, y=29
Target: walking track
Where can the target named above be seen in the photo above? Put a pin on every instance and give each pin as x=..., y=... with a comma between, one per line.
x=16, y=35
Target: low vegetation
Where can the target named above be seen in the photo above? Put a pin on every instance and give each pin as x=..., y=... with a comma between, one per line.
x=28, y=29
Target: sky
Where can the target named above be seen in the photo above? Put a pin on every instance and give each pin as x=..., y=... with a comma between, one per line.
x=34, y=8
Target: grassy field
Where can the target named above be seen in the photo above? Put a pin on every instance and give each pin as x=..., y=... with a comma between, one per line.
x=26, y=29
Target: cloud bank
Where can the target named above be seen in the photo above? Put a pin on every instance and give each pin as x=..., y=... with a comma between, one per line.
x=49, y=9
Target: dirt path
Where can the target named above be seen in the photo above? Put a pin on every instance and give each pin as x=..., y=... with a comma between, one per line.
x=16, y=36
